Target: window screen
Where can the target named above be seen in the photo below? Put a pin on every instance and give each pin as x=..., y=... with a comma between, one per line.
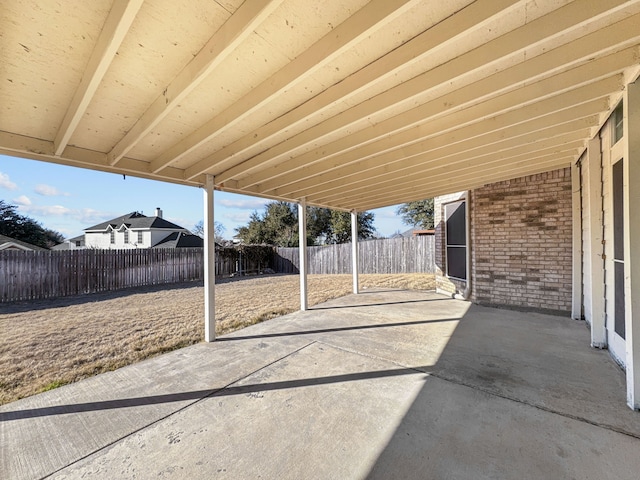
x=456, y=239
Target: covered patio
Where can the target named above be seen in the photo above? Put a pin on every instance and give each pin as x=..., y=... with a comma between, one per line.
x=385, y=384
x=354, y=105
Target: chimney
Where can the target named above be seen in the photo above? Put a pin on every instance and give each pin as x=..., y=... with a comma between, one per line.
x=158, y=212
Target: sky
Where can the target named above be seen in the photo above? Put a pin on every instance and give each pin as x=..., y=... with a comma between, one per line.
x=70, y=199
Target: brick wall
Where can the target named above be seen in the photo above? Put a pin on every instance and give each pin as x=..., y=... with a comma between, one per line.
x=521, y=242
x=444, y=284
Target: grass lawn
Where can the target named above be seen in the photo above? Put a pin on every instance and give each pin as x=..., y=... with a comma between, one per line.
x=49, y=343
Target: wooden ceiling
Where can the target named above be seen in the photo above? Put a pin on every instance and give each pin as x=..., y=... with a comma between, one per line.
x=350, y=104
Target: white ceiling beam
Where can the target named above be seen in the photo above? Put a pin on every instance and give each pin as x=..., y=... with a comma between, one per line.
x=482, y=114
x=232, y=33
x=474, y=180
x=454, y=166
x=569, y=17
x=478, y=135
x=372, y=16
x=382, y=69
x=453, y=186
x=584, y=50
x=427, y=162
x=118, y=23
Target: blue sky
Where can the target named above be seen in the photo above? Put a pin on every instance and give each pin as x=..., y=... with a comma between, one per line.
x=69, y=199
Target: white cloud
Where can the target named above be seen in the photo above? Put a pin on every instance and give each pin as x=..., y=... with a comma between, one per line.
x=22, y=200
x=49, y=210
x=5, y=182
x=49, y=191
x=239, y=217
x=243, y=204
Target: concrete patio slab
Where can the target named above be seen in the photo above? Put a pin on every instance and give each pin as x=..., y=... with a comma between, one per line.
x=393, y=384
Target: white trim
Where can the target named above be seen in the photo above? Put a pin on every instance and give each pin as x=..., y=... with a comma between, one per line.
x=576, y=250
x=209, y=263
x=354, y=252
x=302, y=243
x=632, y=241
x=594, y=306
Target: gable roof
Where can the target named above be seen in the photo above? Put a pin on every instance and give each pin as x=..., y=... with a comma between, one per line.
x=180, y=240
x=6, y=242
x=133, y=221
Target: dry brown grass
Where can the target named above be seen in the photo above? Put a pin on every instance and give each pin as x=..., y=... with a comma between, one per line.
x=46, y=344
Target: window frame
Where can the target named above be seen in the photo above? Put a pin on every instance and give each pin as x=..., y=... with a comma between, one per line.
x=450, y=247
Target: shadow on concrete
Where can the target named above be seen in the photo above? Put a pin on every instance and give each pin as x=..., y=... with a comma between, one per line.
x=335, y=329
x=202, y=394
x=514, y=392
x=380, y=304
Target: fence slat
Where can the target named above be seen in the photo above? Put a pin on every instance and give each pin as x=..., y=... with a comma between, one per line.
x=37, y=275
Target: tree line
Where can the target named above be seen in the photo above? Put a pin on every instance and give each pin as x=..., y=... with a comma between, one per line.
x=278, y=224
x=25, y=229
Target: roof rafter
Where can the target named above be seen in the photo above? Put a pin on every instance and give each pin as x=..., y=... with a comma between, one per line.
x=479, y=135
x=523, y=98
x=426, y=162
x=116, y=27
x=570, y=17
x=234, y=31
x=385, y=67
x=457, y=165
x=310, y=163
x=372, y=16
x=455, y=183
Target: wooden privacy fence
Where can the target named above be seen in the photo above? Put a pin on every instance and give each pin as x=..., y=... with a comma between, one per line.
x=33, y=275
x=391, y=255
x=49, y=274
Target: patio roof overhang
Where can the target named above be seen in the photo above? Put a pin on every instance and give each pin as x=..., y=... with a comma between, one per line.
x=351, y=105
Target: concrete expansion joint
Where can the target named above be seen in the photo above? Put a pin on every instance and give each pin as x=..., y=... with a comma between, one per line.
x=538, y=407
x=181, y=409
x=371, y=356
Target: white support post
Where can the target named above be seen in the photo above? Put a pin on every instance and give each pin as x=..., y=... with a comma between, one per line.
x=576, y=302
x=302, y=230
x=209, y=263
x=593, y=248
x=354, y=251
x=632, y=242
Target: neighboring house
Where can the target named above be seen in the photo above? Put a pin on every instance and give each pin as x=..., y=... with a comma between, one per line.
x=135, y=230
x=75, y=243
x=8, y=243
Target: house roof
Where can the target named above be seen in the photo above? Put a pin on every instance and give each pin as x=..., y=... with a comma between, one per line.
x=348, y=104
x=134, y=221
x=6, y=242
x=180, y=240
